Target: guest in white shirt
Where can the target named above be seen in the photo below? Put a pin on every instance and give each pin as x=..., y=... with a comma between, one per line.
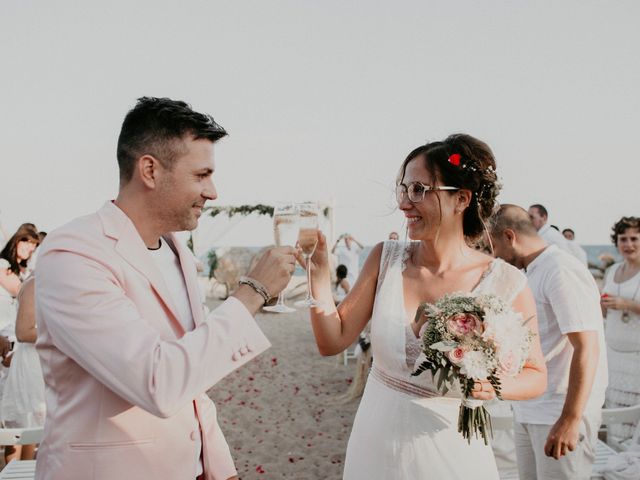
x=556, y=433
x=576, y=249
x=539, y=217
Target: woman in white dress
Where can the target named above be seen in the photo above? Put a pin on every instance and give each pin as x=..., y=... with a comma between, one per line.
x=404, y=429
x=621, y=307
x=22, y=403
x=13, y=264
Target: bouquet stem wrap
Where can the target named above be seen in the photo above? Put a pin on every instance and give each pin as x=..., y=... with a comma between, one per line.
x=474, y=419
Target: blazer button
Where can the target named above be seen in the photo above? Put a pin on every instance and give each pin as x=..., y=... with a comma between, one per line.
x=193, y=436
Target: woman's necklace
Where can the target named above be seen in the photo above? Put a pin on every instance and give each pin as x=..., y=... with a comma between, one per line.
x=626, y=316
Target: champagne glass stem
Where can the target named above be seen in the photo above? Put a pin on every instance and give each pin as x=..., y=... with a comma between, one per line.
x=307, y=260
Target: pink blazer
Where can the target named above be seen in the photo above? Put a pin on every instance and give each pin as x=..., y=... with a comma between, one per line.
x=124, y=382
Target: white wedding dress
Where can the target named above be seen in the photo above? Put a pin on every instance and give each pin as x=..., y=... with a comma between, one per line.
x=404, y=429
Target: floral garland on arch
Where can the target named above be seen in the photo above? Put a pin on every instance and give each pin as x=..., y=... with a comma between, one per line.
x=245, y=210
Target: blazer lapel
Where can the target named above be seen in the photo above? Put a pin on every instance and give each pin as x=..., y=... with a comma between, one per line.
x=131, y=248
x=187, y=263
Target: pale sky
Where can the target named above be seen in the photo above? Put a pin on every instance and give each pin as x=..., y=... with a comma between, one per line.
x=324, y=99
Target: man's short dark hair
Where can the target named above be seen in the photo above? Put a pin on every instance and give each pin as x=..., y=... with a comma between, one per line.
x=514, y=218
x=541, y=210
x=157, y=127
x=568, y=230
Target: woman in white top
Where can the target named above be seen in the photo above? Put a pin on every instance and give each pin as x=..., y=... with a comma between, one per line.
x=13, y=262
x=621, y=308
x=404, y=428
x=23, y=402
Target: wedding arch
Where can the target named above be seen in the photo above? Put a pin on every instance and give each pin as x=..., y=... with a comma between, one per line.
x=327, y=208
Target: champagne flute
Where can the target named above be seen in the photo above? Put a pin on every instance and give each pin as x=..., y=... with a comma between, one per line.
x=307, y=240
x=285, y=232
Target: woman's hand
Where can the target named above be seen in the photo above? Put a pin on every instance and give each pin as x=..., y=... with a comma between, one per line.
x=613, y=302
x=319, y=259
x=483, y=390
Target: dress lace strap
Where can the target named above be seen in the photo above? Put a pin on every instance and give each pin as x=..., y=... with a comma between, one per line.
x=393, y=252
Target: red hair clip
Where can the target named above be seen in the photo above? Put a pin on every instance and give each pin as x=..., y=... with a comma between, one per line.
x=455, y=159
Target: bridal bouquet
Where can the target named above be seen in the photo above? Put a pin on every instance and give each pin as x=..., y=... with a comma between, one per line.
x=468, y=339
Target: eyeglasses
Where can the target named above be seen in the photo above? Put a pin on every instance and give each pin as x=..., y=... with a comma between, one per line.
x=416, y=191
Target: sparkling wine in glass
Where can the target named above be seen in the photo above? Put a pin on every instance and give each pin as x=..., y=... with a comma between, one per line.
x=285, y=233
x=307, y=240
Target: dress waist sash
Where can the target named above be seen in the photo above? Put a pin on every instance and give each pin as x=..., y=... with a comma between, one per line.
x=401, y=385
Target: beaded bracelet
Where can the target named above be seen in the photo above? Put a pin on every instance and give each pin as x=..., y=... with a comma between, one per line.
x=257, y=286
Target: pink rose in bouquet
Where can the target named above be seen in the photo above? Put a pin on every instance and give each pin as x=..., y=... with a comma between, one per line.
x=464, y=324
x=456, y=355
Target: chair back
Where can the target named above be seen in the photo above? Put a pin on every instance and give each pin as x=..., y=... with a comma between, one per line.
x=612, y=416
x=21, y=436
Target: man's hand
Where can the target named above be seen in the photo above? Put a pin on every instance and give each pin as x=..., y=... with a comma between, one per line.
x=274, y=269
x=5, y=346
x=563, y=438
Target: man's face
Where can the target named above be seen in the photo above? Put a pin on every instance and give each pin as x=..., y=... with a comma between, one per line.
x=537, y=219
x=183, y=190
x=568, y=234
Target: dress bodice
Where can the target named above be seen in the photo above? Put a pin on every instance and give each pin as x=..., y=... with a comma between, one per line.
x=396, y=350
x=622, y=335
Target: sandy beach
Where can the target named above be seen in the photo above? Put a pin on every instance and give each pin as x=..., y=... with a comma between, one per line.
x=280, y=412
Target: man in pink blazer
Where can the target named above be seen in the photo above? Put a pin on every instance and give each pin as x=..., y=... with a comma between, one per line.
x=126, y=351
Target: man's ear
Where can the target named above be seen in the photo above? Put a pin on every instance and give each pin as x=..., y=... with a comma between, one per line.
x=510, y=235
x=147, y=168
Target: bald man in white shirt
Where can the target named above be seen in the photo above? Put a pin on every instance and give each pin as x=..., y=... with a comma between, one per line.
x=556, y=434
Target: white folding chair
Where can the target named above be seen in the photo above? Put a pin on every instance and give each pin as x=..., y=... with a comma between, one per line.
x=613, y=416
x=20, y=469
x=20, y=436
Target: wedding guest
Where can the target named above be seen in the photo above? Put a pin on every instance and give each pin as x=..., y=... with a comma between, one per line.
x=576, y=249
x=13, y=263
x=393, y=236
x=126, y=351
x=22, y=402
x=348, y=255
x=342, y=286
x=31, y=264
x=405, y=429
x=556, y=434
x=621, y=307
x=550, y=233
